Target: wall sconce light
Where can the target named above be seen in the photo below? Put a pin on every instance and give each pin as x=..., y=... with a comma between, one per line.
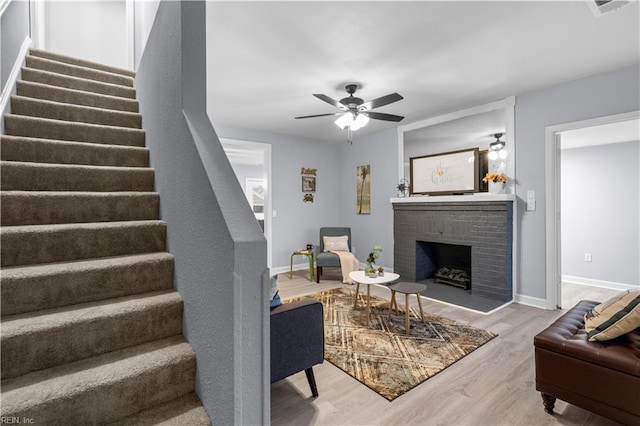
x=497, y=148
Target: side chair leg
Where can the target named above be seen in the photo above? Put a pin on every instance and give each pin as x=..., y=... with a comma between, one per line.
x=318, y=272
x=312, y=381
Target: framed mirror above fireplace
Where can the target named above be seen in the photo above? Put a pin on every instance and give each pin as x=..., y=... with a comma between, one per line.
x=469, y=128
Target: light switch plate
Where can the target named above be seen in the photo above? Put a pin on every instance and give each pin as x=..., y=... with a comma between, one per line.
x=531, y=200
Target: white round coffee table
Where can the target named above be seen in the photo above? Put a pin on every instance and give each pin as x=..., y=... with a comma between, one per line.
x=359, y=277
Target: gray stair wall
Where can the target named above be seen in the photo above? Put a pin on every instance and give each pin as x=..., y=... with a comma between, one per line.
x=237, y=392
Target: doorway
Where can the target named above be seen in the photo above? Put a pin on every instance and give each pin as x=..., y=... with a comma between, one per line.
x=251, y=163
x=592, y=186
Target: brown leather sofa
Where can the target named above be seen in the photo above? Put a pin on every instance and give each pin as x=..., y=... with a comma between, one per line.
x=602, y=377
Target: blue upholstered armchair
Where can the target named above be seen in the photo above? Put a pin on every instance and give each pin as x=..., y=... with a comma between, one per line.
x=297, y=340
x=324, y=259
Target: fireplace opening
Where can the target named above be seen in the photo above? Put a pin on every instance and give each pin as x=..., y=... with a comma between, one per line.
x=445, y=263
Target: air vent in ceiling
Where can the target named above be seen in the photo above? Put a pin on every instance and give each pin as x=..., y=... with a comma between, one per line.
x=600, y=7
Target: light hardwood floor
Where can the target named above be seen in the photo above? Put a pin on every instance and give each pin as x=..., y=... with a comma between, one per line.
x=495, y=385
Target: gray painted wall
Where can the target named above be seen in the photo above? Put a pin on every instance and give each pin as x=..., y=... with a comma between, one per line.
x=597, y=96
x=297, y=223
x=14, y=28
x=219, y=249
x=380, y=151
x=601, y=212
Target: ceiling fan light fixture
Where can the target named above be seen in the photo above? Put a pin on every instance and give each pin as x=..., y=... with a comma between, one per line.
x=345, y=120
x=496, y=149
x=359, y=122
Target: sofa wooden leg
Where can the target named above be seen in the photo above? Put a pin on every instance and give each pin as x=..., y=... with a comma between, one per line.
x=549, y=402
x=318, y=272
x=312, y=381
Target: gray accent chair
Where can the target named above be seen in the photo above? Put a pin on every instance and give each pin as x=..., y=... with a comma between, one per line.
x=329, y=259
x=297, y=340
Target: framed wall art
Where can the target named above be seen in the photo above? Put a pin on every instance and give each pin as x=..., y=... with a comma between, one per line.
x=454, y=172
x=363, y=189
x=308, y=184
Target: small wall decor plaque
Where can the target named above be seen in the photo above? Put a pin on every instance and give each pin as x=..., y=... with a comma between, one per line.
x=308, y=184
x=308, y=171
x=307, y=198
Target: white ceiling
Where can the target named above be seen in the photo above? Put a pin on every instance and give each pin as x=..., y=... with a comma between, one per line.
x=266, y=59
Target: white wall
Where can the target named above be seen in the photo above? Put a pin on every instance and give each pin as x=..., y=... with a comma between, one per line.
x=606, y=94
x=144, y=15
x=90, y=30
x=601, y=212
x=296, y=223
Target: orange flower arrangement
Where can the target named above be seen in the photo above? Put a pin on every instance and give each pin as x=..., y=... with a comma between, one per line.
x=495, y=177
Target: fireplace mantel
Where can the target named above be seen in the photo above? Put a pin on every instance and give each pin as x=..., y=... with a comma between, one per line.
x=481, y=196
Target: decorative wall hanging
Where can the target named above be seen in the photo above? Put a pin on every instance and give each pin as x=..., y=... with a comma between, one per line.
x=363, y=189
x=308, y=183
x=447, y=173
x=305, y=171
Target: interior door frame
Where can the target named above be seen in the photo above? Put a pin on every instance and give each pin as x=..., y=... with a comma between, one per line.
x=267, y=179
x=553, y=253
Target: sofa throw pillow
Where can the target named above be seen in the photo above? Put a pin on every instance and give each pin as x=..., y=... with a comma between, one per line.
x=340, y=243
x=613, y=318
x=274, y=297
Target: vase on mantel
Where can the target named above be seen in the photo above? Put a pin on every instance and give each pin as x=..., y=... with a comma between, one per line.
x=496, y=188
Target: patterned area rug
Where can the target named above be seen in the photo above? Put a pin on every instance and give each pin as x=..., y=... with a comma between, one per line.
x=382, y=356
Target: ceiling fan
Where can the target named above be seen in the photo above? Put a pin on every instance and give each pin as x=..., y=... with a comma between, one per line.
x=355, y=112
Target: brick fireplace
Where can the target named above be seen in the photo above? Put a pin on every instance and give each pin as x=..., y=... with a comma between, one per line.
x=482, y=228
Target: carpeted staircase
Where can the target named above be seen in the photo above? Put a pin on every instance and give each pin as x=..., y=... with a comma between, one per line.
x=91, y=328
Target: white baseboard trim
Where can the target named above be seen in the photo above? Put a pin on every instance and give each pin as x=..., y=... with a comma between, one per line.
x=598, y=283
x=530, y=301
x=285, y=269
x=9, y=88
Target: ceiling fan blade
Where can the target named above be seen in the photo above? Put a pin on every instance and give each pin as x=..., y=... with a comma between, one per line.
x=383, y=116
x=329, y=100
x=382, y=101
x=320, y=115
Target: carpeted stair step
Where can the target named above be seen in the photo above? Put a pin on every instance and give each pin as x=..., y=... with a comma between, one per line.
x=187, y=410
x=36, y=150
x=35, y=244
x=76, y=113
x=105, y=388
x=34, y=90
x=53, y=285
x=68, y=82
x=50, y=65
x=20, y=125
x=80, y=62
x=45, y=339
x=18, y=176
x=50, y=207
